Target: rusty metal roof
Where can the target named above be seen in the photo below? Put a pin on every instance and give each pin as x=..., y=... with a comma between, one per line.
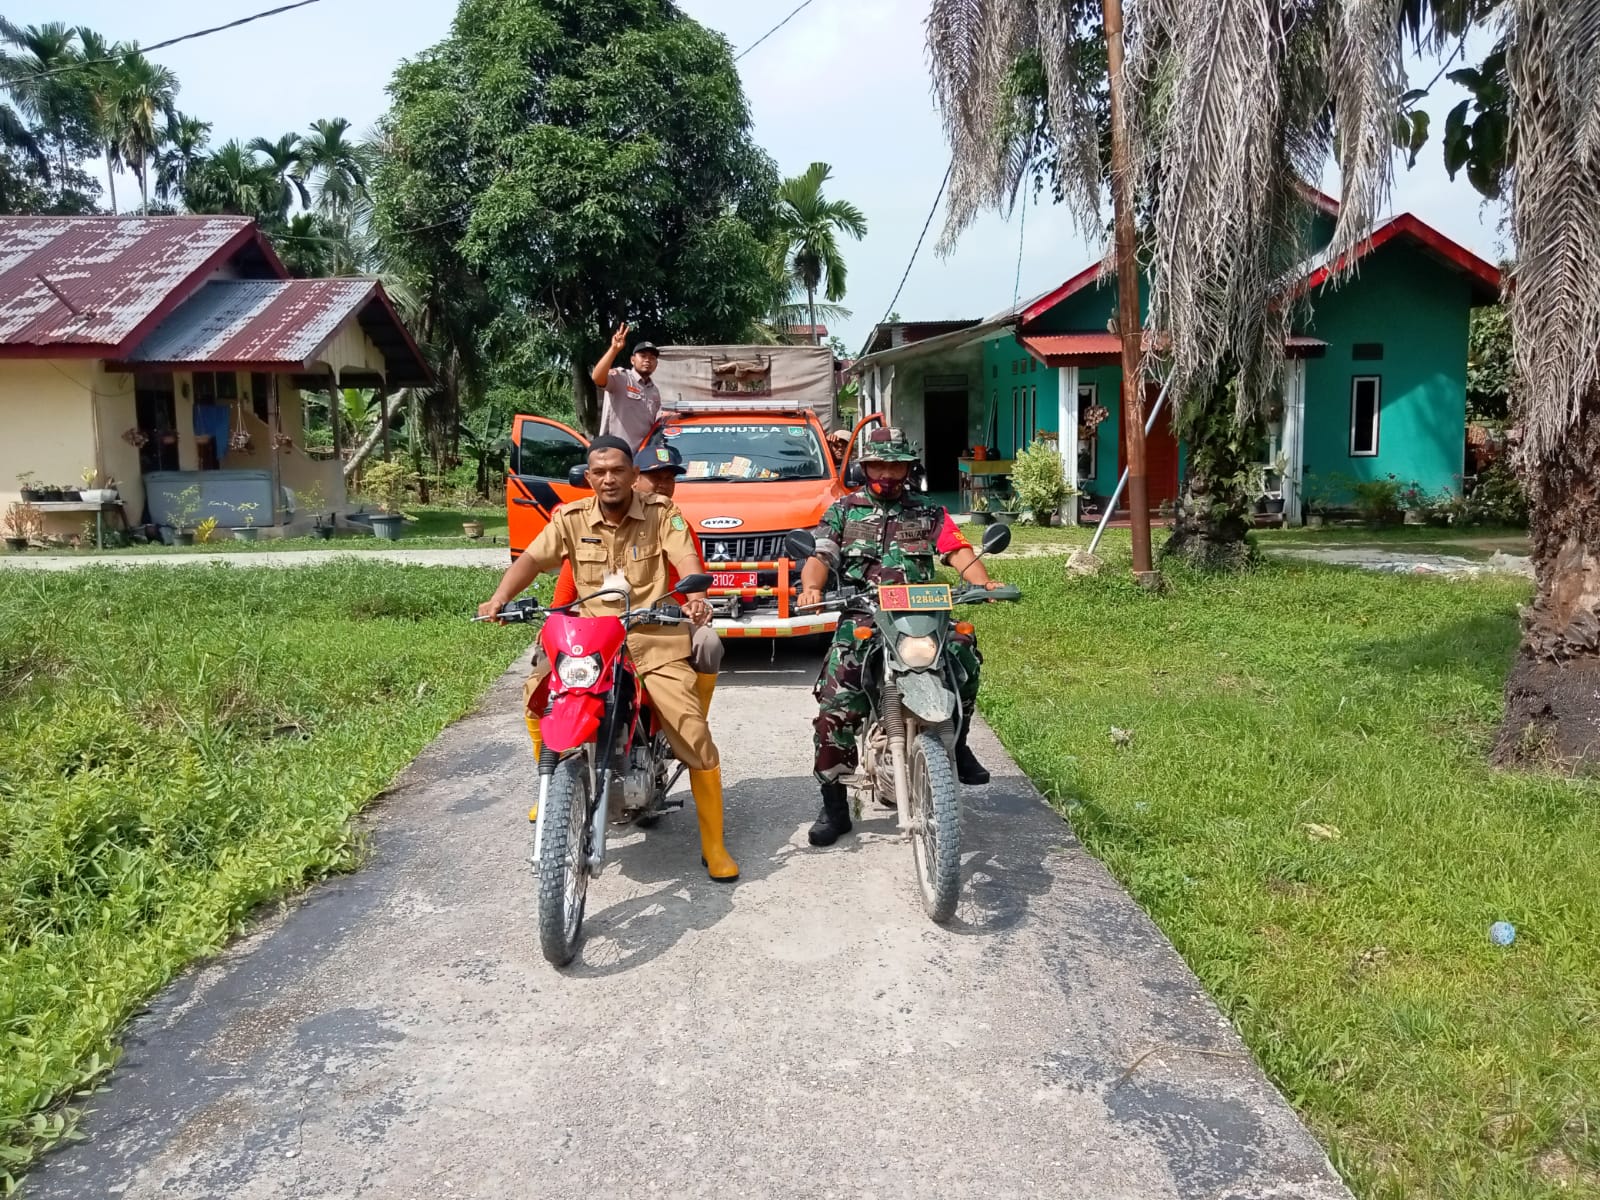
x=1101, y=349
x=94, y=284
x=279, y=324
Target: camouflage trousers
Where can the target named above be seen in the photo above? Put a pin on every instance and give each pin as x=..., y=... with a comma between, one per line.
x=843, y=705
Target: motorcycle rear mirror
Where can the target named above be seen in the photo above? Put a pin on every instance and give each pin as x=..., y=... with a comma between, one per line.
x=801, y=544
x=578, y=475
x=692, y=583
x=855, y=476
x=996, y=538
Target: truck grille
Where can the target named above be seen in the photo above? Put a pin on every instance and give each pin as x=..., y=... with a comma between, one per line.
x=750, y=547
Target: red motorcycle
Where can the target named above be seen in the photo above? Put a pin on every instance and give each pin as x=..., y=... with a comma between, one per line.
x=604, y=751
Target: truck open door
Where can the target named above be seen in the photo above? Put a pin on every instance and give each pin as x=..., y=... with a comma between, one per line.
x=850, y=450
x=543, y=452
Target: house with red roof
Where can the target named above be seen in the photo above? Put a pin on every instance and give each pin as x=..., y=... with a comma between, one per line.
x=1374, y=382
x=176, y=352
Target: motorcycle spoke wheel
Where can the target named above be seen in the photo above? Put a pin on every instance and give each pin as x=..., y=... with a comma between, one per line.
x=936, y=825
x=564, y=870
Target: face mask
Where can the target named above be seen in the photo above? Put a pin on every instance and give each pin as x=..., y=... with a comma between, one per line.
x=888, y=490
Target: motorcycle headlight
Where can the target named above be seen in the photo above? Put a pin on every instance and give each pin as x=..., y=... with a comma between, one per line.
x=917, y=651
x=579, y=672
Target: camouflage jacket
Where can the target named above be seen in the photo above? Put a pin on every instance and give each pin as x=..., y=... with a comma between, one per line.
x=871, y=543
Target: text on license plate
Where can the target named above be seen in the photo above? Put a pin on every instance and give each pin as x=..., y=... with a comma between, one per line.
x=734, y=579
x=915, y=597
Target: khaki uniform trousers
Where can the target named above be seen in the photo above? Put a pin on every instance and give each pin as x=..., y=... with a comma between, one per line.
x=672, y=693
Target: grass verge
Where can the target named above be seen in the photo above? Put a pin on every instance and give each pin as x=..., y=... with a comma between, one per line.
x=427, y=528
x=1305, y=810
x=177, y=747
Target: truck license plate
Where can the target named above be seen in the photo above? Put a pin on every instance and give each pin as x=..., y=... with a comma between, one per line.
x=734, y=579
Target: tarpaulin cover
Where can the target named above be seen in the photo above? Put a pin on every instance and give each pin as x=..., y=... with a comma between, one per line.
x=782, y=378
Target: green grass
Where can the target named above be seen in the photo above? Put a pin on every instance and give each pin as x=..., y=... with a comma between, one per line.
x=429, y=528
x=177, y=747
x=1356, y=963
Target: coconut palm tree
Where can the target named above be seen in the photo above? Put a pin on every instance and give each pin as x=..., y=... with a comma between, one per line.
x=808, y=228
x=336, y=164
x=183, y=152
x=145, y=92
x=284, y=159
x=231, y=180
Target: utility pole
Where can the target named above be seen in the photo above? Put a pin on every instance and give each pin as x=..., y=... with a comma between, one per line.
x=1129, y=327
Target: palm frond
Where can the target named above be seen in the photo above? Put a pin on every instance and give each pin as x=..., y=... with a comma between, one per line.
x=1555, y=297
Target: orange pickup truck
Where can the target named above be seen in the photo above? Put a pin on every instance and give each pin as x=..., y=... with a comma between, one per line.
x=757, y=467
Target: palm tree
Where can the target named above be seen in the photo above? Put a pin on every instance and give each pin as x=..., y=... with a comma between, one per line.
x=231, y=180
x=1229, y=108
x=34, y=77
x=808, y=225
x=284, y=159
x=183, y=152
x=337, y=165
x=102, y=97
x=145, y=92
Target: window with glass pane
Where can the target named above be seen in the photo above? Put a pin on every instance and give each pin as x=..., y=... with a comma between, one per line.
x=1366, y=403
x=1088, y=438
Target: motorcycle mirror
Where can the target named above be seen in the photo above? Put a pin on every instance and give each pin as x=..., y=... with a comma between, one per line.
x=855, y=476
x=996, y=538
x=578, y=475
x=692, y=583
x=801, y=544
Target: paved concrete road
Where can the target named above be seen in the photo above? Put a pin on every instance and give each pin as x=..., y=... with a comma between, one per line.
x=805, y=1033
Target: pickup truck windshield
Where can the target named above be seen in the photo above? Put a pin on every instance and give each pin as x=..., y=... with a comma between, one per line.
x=735, y=453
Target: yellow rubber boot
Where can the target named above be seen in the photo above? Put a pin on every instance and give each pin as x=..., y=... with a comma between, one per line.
x=704, y=685
x=538, y=748
x=707, y=789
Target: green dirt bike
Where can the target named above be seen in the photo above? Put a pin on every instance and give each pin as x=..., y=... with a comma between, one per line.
x=908, y=743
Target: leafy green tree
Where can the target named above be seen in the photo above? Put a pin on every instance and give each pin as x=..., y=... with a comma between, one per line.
x=1491, y=369
x=584, y=165
x=32, y=67
x=809, y=225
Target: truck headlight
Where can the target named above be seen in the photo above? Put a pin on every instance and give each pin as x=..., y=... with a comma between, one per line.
x=917, y=652
x=579, y=672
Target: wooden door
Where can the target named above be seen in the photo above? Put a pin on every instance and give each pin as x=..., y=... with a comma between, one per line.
x=1160, y=453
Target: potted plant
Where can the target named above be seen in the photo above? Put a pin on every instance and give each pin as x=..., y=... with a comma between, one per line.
x=473, y=529
x=186, y=506
x=1010, y=509
x=204, y=530
x=979, y=510
x=248, y=532
x=23, y=524
x=29, y=489
x=386, y=482
x=104, y=494
x=311, y=499
x=1040, y=481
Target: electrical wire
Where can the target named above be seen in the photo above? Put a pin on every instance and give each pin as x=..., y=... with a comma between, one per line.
x=83, y=64
x=1022, y=236
x=918, y=248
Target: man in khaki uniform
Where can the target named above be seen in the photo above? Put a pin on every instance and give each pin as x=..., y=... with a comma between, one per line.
x=643, y=539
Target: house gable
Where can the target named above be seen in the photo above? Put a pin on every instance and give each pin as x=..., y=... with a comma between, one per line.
x=93, y=287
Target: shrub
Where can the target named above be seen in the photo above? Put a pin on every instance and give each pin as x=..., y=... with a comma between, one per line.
x=1497, y=498
x=1378, y=500
x=1040, y=482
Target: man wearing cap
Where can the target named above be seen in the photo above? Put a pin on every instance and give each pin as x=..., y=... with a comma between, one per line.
x=645, y=539
x=838, y=445
x=883, y=534
x=659, y=468
x=630, y=402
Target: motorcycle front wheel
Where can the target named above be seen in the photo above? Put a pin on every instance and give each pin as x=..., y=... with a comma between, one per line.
x=563, y=861
x=936, y=816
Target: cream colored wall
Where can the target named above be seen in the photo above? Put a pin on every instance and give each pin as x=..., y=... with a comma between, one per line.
x=351, y=349
x=59, y=416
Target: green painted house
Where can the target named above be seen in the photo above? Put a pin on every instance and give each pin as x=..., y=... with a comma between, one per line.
x=1374, y=384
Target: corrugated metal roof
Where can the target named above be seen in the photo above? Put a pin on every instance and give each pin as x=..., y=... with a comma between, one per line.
x=271, y=322
x=116, y=272
x=1069, y=349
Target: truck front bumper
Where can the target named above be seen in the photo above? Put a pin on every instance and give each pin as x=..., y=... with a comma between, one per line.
x=771, y=625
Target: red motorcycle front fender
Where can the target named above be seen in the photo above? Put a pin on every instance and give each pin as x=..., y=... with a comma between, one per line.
x=573, y=719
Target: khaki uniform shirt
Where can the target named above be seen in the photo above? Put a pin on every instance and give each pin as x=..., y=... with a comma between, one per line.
x=630, y=406
x=643, y=548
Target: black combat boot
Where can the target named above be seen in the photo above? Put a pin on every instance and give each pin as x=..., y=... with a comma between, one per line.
x=833, y=822
x=968, y=769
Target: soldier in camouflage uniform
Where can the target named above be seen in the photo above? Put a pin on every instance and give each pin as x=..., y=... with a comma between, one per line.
x=883, y=534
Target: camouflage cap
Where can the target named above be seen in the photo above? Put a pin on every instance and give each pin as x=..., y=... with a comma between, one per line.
x=887, y=446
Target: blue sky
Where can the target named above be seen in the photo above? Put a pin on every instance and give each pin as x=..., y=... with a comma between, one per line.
x=845, y=82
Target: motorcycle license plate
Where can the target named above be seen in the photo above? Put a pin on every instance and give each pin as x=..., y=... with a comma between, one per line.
x=915, y=597
x=733, y=579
